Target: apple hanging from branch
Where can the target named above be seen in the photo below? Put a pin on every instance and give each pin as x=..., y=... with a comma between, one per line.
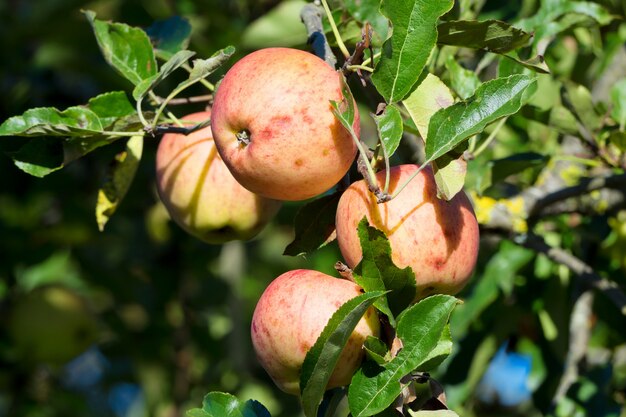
x=274, y=127
x=438, y=239
x=290, y=316
x=200, y=193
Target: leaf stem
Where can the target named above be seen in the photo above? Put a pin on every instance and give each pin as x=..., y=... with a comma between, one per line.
x=329, y=15
x=204, y=82
x=130, y=134
x=368, y=60
x=140, y=113
x=490, y=138
x=361, y=67
x=399, y=189
x=164, y=103
x=387, y=173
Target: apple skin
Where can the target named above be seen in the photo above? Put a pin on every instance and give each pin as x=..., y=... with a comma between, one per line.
x=438, y=239
x=51, y=324
x=200, y=193
x=281, y=97
x=290, y=316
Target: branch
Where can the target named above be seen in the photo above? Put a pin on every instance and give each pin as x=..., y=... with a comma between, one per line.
x=580, y=333
x=585, y=186
x=584, y=272
x=311, y=16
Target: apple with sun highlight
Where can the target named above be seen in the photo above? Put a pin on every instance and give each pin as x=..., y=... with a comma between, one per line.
x=438, y=239
x=274, y=127
x=200, y=193
x=290, y=316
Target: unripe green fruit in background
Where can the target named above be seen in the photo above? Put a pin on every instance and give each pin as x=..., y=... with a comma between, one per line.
x=290, y=316
x=274, y=127
x=438, y=239
x=200, y=193
x=51, y=325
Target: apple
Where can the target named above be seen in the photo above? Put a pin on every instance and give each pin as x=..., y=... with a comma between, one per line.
x=51, y=324
x=290, y=316
x=274, y=128
x=200, y=193
x=438, y=239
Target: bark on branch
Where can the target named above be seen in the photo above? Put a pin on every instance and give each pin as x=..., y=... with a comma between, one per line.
x=584, y=272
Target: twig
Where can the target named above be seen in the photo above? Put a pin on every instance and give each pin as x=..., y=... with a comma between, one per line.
x=580, y=333
x=585, y=272
x=585, y=186
x=311, y=16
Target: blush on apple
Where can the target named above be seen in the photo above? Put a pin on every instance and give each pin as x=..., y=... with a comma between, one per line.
x=290, y=316
x=274, y=127
x=438, y=239
x=201, y=194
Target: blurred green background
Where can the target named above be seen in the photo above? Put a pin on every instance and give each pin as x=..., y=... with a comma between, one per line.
x=171, y=314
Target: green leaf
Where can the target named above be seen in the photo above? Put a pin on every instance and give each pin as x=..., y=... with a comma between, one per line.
x=121, y=175
x=551, y=10
x=376, y=271
x=369, y=11
x=281, y=26
x=449, y=174
x=39, y=157
x=618, y=99
x=314, y=225
x=321, y=359
x=517, y=65
x=498, y=170
x=110, y=107
x=618, y=138
x=376, y=350
x=204, y=67
x=48, y=121
x=420, y=327
x=127, y=49
x=170, y=35
x=440, y=352
x=221, y=404
x=389, y=125
x=405, y=54
x=501, y=271
x=578, y=99
x=491, y=35
x=505, y=167
x=429, y=97
x=344, y=110
x=463, y=81
x=175, y=62
x=494, y=99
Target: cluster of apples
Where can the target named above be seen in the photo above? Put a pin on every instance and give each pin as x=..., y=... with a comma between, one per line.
x=273, y=138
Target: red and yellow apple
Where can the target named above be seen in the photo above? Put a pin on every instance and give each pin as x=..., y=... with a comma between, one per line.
x=438, y=239
x=290, y=316
x=274, y=127
x=200, y=193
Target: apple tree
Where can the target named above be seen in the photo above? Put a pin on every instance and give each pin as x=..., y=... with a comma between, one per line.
x=385, y=208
